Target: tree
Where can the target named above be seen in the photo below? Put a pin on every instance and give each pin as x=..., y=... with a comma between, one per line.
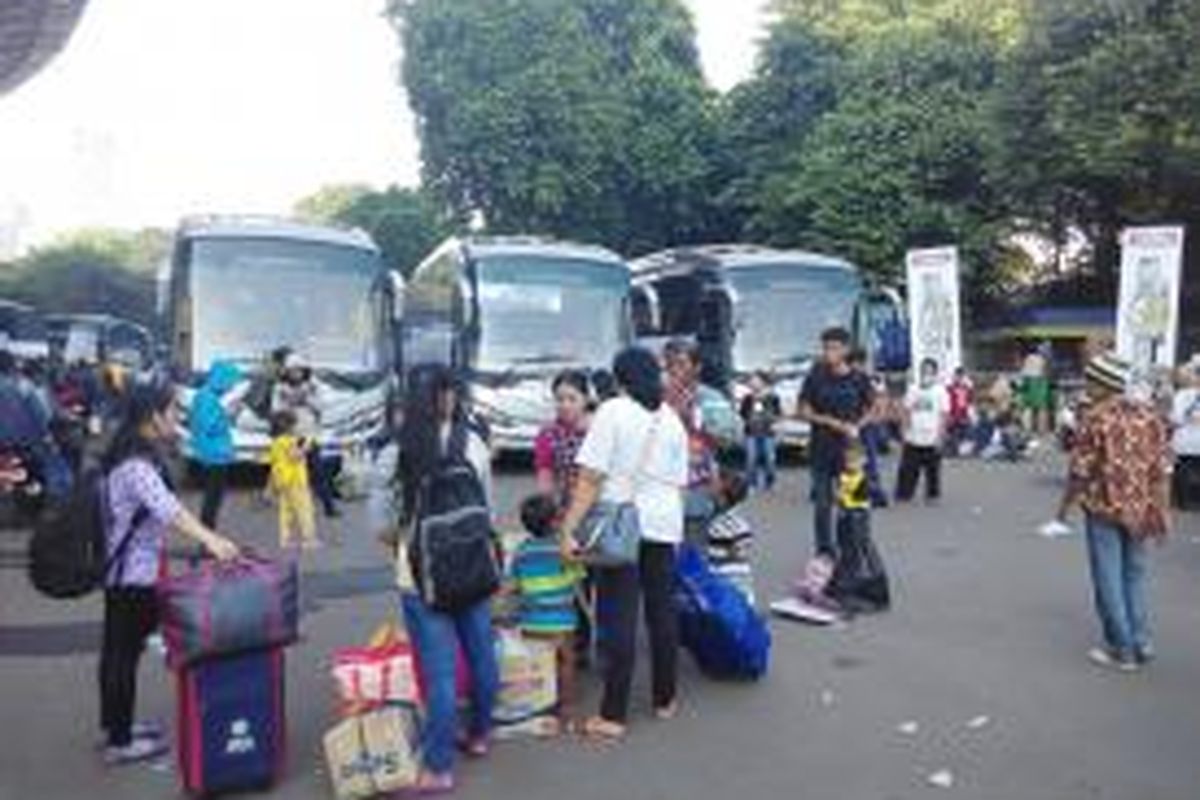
x=92, y=271
x=1097, y=119
x=577, y=118
x=405, y=223
x=874, y=137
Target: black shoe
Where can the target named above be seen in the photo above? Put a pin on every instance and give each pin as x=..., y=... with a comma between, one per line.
x=333, y=512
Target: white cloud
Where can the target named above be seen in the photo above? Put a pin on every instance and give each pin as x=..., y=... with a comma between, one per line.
x=157, y=109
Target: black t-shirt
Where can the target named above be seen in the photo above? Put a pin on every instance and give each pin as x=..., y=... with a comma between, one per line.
x=846, y=397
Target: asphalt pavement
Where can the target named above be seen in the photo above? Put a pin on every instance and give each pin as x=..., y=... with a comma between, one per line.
x=975, y=685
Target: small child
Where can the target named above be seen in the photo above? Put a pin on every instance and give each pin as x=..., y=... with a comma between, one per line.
x=289, y=481
x=927, y=407
x=859, y=581
x=546, y=587
x=760, y=413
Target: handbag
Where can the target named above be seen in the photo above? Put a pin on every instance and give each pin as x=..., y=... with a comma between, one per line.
x=611, y=531
x=226, y=608
x=377, y=674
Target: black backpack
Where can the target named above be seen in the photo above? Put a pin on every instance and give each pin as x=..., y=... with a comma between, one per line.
x=68, y=551
x=452, y=552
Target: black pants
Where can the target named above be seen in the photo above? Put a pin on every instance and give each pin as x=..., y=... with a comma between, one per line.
x=913, y=461
x=130, y=615
x=213, y=479
x=619, y=589
x=320, y=473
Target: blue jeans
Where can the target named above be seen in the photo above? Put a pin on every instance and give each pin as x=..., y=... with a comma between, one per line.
x=436, y=637
x=1118, y=564
x=760, y=461
x=824, y=478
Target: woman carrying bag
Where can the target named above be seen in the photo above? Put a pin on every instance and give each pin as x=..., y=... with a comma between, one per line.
x=635, y=460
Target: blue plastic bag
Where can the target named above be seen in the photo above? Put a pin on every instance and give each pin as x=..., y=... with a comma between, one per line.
x=728, y=638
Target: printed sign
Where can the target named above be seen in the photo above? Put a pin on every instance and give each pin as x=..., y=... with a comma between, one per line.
x=1148, y=308
x=933, y=308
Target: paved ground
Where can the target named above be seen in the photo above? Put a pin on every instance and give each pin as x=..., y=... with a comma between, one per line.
x=990, y=621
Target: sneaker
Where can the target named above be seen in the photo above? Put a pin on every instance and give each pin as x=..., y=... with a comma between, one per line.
x=149, y=729
x=1055, y=529
x=139, y=749
x=1146, y=654
x=1106, y=658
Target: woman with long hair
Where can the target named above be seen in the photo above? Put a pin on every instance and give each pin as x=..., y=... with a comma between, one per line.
x=558, y=443
x=636, y=448
x=436, y=430
x=143, y=508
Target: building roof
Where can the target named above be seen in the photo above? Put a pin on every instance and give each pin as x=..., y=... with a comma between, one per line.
x=31, y=33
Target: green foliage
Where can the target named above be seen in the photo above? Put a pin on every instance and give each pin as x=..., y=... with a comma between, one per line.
x=91, y=271
x=405, y=223
x=579, y=118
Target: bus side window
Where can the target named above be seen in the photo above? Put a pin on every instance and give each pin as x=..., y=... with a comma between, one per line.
x=642, y=310
x=679, y=306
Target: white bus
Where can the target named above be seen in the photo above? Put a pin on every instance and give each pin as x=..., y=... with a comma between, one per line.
x=240, y=287
x=511, y=312
x=754, y=309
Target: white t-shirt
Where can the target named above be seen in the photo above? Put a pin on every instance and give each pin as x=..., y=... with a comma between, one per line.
x=927, y=407
x=1185, y=416
x=613, y=447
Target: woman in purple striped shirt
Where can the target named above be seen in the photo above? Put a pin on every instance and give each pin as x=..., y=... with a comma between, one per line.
x=143, y=508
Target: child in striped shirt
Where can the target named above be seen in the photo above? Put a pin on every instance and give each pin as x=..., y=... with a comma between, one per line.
x=546, y=587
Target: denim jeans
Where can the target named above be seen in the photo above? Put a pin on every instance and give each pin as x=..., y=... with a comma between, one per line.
x=760, y=461
x=824, y=478
x=436, y=637
x=1118, y=564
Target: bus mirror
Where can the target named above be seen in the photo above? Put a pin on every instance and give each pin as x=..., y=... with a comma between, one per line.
x=398, y=287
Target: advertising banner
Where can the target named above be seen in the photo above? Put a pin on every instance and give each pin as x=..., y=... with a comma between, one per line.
x=933, y=308
x=1148, y=308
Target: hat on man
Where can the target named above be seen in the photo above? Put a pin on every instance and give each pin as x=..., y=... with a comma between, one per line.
x=1108, y=371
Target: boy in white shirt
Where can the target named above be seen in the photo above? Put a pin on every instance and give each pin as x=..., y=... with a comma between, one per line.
x=927, y=408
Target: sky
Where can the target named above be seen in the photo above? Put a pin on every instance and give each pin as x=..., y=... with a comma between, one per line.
x=157, y=109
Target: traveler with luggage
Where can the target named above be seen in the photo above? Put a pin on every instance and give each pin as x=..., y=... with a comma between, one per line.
x=210, y=420
x=446, y=566
x=142, y=508
x=635, y=454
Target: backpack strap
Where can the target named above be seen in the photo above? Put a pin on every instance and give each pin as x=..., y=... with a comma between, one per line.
x=117, y=557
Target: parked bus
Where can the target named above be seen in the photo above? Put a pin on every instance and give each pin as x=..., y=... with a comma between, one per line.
x=752, y=309
x=23, y=331
x=98, y=338
x=510, y=312
x=240, y=287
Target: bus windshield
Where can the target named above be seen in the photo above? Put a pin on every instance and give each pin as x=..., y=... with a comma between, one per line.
x=252, y=295
x=544, y=313
x=781, y=311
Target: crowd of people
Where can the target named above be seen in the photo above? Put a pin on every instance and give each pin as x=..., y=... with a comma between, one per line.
x=648, y=434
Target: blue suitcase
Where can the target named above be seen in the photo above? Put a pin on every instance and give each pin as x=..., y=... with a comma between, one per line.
x=232, y=723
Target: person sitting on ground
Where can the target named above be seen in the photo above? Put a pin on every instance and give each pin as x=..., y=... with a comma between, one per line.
x=546, y=587
x=926, y=406
x=730, y=536
x=288, y=482
x=962, y=409
x=858, y=583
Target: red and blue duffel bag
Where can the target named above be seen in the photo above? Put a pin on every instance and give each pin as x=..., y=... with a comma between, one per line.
x=218, y=609
x=232, y=723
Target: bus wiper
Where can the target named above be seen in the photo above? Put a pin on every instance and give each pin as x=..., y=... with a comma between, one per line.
x=544, y=358
x=798, y=358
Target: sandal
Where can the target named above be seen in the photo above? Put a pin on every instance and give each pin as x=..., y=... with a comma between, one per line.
x=429, y=784
x=599, y=729
x=668, y=712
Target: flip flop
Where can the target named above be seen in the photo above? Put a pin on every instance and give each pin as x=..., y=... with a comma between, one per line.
x=598, y=729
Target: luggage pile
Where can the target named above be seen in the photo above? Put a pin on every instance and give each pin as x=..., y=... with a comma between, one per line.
x=527, y=703
x=725, y=634
x=226, y=627
x=372, y=749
